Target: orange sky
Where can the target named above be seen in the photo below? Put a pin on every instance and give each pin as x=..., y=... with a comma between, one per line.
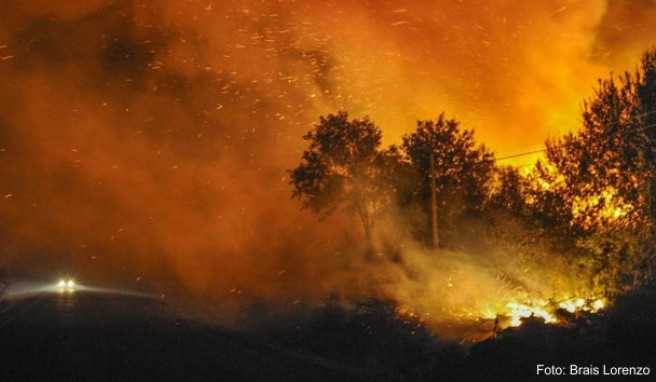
x=517, y=72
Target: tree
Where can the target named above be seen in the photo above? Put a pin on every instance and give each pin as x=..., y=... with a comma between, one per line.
x=510, y=190
x=646, y=93
x=607, y=174
x=609, y=167
x=548, y=199
x=451, y=166
x=344, y=166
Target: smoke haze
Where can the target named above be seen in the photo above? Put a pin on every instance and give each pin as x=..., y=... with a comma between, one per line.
x=151, y=138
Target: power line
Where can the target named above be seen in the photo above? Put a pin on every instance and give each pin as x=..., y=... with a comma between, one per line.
x=527, y=153
x=642, y=129
x=521, y=154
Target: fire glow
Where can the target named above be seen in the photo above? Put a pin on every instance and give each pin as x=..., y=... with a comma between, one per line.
x=277, y=66
x=547, y=311
x=513, y=314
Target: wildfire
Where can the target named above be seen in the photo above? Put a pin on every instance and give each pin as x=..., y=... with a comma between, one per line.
x=547, y=310
x=517, y=311
x=513, y=314
x=608, y=206
x=580, y=304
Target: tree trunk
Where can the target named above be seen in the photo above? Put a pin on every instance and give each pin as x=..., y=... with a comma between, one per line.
x=367, y=234
x=435, y=237
x=366, y=227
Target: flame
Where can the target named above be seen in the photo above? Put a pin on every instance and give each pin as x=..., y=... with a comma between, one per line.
x=471, y=299
x=569, y=306
x=585, y=305
x=598, y=305
x=513, y=313
x=517, y=311
x=547, y=311
x=604, y=207
x=612, y=208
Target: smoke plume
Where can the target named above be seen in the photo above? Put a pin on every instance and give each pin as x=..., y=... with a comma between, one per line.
x=150, y=138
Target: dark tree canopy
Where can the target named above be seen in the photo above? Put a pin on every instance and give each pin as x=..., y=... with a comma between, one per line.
x=592, y=198
x=510, y=190
x=345, y=167
x=601, y=180
x=463, y=168
x=611, y=160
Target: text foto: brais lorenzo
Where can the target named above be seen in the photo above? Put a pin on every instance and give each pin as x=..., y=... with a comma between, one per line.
x=587, y=370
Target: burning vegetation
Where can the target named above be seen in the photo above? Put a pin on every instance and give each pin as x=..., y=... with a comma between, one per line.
x=453, y=236
x=148, y=140
x=461, y=178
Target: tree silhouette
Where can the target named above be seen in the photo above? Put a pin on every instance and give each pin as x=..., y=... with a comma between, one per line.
x=510, y=191
x=646, y=93
x=443, y=153
x=344, y=167
x=611, y=162
x=604, y=177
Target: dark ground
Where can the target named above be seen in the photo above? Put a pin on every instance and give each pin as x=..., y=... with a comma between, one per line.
x=101, y=337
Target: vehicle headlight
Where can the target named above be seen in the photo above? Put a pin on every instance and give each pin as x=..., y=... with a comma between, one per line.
x=66, y=285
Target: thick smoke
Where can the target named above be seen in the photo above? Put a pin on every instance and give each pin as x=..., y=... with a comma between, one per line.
x=150, y=138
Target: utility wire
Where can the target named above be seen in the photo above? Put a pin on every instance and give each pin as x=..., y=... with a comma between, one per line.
x=642, y=129
x=519, y=155
x=527, y=153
